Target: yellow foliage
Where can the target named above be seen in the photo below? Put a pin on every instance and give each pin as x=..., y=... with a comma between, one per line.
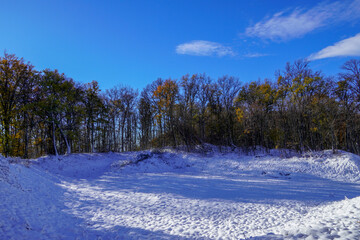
x=314, y=129
x=37, y=141
x=247, y=131
x=239, y=114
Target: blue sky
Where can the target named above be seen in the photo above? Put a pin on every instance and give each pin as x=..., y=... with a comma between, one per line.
x=135, y=42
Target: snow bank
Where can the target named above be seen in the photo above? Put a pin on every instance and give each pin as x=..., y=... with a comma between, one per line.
x=4, y=169
x=337, y=220
x=155, y=161
x=31, y=206
x=341, y=166
x=80, y=166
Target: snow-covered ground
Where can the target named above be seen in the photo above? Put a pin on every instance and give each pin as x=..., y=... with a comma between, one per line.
x=178, y=195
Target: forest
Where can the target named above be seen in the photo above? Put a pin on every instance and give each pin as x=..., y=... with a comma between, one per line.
x=46, y=112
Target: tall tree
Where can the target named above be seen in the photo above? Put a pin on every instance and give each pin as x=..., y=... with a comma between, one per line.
x=14, y=73
x=166, y=96
x=229, y=87
x=145, y=117
x=58, y=105
x=129, y=99
x=93, y=107
x=188, y=109
x=203, y=97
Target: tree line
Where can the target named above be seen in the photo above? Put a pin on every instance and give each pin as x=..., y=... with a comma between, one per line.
x=46, y=112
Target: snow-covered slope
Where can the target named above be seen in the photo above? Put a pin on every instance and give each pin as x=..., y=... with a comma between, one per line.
x=178, y=195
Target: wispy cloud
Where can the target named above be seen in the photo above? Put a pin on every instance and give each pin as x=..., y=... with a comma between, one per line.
x=287, y=25
x=204, y=48
x=255, y=55
x=346, y=47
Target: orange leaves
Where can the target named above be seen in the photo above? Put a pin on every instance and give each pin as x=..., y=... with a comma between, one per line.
x=165, y=96
x=166, y=93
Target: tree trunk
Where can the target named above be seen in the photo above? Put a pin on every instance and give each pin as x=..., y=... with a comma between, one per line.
x=92, y=136
x=26, y=142
x=7, y=137
x=54, y=140
x=68, y=147
x=114, y=134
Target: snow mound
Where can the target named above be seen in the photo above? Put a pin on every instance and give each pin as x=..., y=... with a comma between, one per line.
x=80, y=166
x=4, y=169
x=341, y=166
x=338, y=220
x=6, y=176
x=31, y=206
x=154, y=161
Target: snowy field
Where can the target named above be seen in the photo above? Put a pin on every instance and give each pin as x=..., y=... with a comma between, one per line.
x=178, y=195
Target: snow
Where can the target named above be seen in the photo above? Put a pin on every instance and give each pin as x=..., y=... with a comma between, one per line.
x=177, y=195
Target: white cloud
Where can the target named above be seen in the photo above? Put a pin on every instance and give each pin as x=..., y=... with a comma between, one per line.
x=346, y=47
x=255, y=55
x=204, y=48
x=288, y=25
